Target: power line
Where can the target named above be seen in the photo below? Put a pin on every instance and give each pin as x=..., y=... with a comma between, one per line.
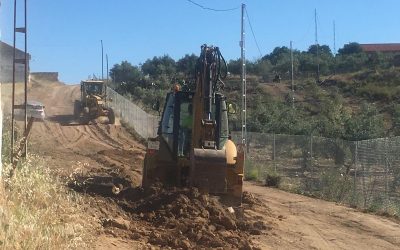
x=251, y=28
x=207, y=8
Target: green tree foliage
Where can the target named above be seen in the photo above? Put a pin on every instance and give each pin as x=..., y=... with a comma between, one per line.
x=126, y=77
x=368, y=123
x=269, y=116
x=235, y=67
x=187, y=65
x=332, y=118
x=350, y=48
x=159, y=67
x=322, y=50
x=125, y=72
x=351, y=62
x=278, y=54
x=320, y=109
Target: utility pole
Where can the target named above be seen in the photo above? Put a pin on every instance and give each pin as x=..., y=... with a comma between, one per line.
x=26, y=79
x=24, y=61
x=291, y=59
x=107, y=77
x=1, y=119
x=334, y=37
x=334, y=47
x=244, y=84
x=13, y=86
x=102, y=61
x=316, y=42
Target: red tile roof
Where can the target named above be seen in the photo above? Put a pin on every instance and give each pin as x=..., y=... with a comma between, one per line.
x=381, y=47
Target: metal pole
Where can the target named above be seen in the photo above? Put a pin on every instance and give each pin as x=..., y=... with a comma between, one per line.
x=334, y=47
x=316, y=42
x=355, y=175
x=26, y=80
x=291, y=59
x=107, y=78
x=13, y=86
x=243, y=60
x=274, y=151
x=334, y=37
x=102, y=61
x=386, y=175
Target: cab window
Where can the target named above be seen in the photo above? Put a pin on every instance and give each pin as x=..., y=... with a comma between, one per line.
x=167, y=122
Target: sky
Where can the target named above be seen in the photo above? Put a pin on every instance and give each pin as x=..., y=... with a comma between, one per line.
x=64, y=35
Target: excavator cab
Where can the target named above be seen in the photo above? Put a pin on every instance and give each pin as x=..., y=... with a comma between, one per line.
x=177, y=119
x=193, y=147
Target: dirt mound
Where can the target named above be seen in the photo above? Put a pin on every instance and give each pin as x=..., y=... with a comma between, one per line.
x=185, y=218
x=250, y=199
x=175, y=217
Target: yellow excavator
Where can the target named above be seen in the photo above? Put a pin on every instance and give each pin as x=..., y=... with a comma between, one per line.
x=193, y=147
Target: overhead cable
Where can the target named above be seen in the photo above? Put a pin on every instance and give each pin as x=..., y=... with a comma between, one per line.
x=251, y=28
x=212, y=9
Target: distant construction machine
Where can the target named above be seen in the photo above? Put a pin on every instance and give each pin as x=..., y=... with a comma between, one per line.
x=193, y=147
x=93, y=103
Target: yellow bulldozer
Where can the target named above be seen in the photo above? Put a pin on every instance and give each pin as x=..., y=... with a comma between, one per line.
x=193, y=147
x=93, y=103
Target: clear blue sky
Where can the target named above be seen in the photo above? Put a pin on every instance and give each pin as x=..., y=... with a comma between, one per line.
x=65, y=36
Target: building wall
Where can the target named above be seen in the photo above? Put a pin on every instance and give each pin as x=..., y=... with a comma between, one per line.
x=6, y=64
x=44, y=76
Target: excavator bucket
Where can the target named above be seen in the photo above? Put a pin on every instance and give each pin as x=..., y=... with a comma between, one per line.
x=208, y=170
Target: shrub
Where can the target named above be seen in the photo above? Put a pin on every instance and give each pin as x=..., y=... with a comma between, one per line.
x=37, y=212
x=272, y=179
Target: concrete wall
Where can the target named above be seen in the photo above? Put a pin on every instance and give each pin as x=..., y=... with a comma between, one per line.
x=44, y=76
x=6, y=64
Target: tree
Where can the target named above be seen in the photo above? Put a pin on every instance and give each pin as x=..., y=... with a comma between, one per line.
x=187, y=65
x=125, y=72
x=159, y=66
x=365, y=125
x=125, y=76
x=350, y=48
x=322, y=50
x=263, y=68
x=277, y=54
x=351, y=62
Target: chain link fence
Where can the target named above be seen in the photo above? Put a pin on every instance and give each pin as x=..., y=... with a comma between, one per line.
x=364, y=174
x=145, y=124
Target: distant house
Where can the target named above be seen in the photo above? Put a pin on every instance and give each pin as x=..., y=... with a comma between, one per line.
x=6, y=63
x=381, y=47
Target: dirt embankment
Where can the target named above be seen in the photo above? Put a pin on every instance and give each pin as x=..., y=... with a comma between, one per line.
x=103, y=163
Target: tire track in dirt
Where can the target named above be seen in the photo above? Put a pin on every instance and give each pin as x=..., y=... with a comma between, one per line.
x=306, y=223
x=58, y=139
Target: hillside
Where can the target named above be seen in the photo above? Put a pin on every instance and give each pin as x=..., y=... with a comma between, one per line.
x=359, y=105
x=355, y=98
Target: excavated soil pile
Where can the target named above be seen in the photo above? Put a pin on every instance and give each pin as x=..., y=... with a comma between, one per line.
x=177, y=218
x=185, y=218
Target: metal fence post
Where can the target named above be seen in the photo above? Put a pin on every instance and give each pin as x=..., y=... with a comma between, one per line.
x=273, y=151
x=311, y=151
x=386, y=175
x=355, y=173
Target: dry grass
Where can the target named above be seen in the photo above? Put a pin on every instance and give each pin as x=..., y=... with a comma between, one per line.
x=38, y=212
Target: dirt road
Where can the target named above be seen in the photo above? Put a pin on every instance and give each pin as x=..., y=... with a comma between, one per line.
x=305, y=223
x=109, y=154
